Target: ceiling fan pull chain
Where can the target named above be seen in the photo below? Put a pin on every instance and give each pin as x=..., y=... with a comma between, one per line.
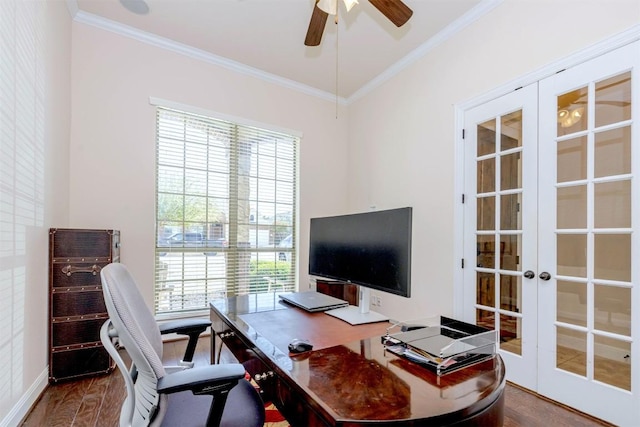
x=337, y=54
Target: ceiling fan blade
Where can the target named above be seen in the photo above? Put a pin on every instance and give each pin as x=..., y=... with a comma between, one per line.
x=395, y=10
x=316, y=27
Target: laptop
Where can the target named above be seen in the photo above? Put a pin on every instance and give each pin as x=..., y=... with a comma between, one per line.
x=313, y=301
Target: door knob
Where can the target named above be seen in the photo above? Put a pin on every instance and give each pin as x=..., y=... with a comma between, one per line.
x=529, y=274
x=545, y=276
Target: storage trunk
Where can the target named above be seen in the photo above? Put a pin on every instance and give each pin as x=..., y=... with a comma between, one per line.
x=76, y=305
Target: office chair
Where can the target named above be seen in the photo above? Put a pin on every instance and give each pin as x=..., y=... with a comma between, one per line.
x=213, y=395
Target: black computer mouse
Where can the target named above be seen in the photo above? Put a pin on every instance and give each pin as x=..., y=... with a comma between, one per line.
x=299, y=346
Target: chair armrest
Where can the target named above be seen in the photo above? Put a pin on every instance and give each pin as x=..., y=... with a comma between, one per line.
x=207, y=379
x=190, y=327
x=184, y=326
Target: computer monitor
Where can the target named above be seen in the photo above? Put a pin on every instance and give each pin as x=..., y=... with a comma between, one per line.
x=371, y=249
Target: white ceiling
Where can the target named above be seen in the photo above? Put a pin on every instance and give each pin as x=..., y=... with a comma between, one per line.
x=266, y=37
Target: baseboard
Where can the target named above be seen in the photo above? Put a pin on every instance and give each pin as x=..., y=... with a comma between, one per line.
x=20, y=410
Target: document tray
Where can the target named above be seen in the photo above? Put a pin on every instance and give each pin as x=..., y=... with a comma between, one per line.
x=444, y=346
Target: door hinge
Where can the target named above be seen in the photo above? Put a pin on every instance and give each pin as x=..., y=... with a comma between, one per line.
x=463, y=198
x=462, y=133
x=462, y=264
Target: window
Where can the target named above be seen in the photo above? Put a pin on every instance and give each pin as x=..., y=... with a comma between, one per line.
x=225, y=210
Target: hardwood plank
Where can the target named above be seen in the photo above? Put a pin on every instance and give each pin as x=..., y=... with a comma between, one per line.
x=109, y=412
x=92, y=401
x=59, y=404
x=523, y=408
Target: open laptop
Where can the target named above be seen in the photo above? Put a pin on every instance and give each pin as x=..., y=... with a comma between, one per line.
x=313, y=301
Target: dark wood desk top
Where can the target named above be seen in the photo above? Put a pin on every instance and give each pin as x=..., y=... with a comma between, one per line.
x=350, y=378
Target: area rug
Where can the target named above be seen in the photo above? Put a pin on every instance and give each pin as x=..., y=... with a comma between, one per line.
x=273, y=417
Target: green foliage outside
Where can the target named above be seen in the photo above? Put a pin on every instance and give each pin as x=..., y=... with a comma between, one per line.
x=276, y=273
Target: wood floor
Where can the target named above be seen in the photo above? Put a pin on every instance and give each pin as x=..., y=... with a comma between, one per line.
x=95, y=402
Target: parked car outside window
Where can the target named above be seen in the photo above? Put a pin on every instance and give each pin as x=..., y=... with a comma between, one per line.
x=191, y=240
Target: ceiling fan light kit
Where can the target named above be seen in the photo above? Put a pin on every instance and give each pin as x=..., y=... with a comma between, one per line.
x=394, y=10
x=331, y=6
x=568, y=118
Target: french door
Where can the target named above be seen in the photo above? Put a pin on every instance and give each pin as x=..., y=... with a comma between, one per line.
x=551, y=197
x=500, y=225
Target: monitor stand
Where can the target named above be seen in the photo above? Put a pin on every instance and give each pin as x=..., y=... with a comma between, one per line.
x=360, y=314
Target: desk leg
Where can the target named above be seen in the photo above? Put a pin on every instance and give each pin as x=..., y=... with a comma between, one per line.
x=215, y=356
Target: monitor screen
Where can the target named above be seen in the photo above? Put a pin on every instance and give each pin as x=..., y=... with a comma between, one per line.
x=371, y=249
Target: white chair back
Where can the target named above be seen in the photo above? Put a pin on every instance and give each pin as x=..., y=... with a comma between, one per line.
x=137, y=331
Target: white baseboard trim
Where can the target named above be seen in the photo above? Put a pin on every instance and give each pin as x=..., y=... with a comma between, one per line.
x=20, y=410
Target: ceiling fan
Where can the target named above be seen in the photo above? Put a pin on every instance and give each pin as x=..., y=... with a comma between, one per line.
x=395, y=10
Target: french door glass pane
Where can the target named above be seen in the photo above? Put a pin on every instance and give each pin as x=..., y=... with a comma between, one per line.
x=486, y=213
x=485, y=289
x=571, y=351
x=612, y=258
x=486, y=138
x=511, y=212
x=510, y=251
x=571, y=304
x=571, y=207
x=572, y=111
x=510, y=293
x=486, y=250
x=613, y=152
x=571, y=255
x=487, y=176
x=510, y=172
x=612, y=362
x=511, y=130
x=613, y=204
x=613, y=100
x=612, y=309
x=511, y=334
x=572, y=159
x=485, y=318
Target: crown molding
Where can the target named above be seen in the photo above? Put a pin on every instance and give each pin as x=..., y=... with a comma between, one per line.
x=199, y=54
x=484, y=7
x=449, y=31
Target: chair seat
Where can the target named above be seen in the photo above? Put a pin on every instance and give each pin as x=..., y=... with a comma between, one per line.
x=244, y=408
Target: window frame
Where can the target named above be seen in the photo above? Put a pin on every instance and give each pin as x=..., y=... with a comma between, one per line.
x=232, y=253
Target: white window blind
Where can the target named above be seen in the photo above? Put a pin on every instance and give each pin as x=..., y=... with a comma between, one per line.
x=225, y=210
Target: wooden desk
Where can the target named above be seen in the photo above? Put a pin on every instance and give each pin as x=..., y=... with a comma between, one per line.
x=348, y=379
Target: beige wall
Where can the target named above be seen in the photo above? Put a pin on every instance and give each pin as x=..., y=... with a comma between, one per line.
x=113, y=136
x=35, y=57
x=401, y=136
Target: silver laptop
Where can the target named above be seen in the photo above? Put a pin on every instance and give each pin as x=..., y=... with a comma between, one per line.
x=313, y=301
